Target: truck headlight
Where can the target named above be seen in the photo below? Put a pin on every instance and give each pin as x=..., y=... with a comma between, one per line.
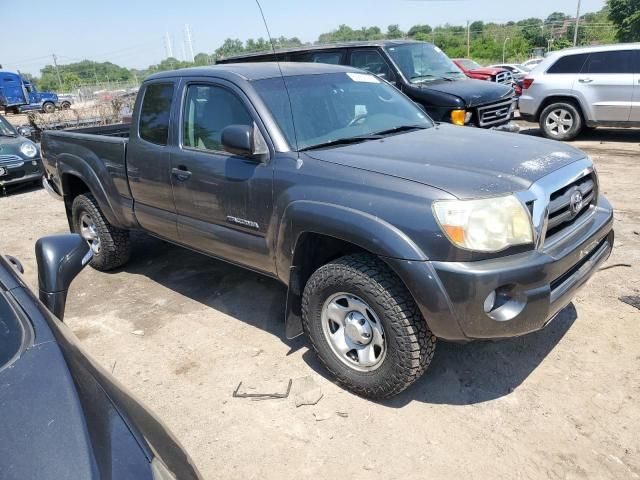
x=28, y=149
x=486, y=225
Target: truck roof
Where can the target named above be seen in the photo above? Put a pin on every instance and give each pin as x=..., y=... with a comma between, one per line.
x=325, y=46
x=255, y=71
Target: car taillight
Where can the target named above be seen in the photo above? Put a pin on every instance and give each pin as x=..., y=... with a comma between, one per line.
x=526, y=83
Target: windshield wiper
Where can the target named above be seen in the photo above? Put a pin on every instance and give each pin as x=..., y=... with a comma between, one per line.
x=402, y=128
x=343, y=141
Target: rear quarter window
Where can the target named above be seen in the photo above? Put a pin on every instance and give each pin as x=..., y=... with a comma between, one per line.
x=568, y=64
x=620, y=61
x=155, y=112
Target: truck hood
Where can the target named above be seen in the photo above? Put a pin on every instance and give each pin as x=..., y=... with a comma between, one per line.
x=473, y=92
x=463, y=161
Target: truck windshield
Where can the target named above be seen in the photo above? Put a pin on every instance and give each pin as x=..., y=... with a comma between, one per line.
x=423, y=62
x=6, y=129
x=335, y=107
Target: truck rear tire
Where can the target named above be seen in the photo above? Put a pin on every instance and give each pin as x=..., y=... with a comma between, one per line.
x=561, y=121
x=110, y=245
x=48, y=107
x=365, y=327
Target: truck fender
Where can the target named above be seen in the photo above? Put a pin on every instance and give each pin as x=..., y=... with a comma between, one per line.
x=84, y=172
x=362, y=229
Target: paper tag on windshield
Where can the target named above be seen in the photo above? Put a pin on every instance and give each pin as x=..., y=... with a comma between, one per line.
x=363, y=77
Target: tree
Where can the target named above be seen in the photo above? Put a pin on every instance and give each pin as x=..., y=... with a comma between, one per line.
x=393, y=31
x=419, y=30
x=556, y=18
x=625, y=14
x=229, y=48
x=203, y=59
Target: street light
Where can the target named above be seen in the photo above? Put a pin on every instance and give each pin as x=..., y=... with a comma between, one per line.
x=504, y=46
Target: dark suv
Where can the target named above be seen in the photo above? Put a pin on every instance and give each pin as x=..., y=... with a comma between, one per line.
x=419, y=69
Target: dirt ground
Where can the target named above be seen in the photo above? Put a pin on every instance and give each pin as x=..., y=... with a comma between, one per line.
x=560, y=403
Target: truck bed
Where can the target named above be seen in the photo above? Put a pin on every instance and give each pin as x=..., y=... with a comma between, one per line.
x=99, y=155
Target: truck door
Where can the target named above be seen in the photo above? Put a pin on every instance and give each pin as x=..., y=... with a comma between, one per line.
x=606, y=84
x=149, y=161
x=635, y=105
x=224, y=201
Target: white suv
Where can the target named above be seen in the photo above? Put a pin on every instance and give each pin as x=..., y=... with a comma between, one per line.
x=584, y=87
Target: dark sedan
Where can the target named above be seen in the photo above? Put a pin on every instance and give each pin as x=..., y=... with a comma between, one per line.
x=62, y=416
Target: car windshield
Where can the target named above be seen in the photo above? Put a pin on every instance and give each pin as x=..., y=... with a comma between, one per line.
x=469, y=64
x=335, y=107
x=423, y=62
x=6, y=129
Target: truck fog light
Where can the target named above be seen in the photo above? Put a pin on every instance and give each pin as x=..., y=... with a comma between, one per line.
x=489, y=302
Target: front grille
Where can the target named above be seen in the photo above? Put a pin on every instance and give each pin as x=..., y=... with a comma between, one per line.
x=563, y=213
x=11, y=161
x=504, y=77
x=494, y=114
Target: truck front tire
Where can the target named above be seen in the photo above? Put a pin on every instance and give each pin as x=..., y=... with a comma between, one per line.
x=110, y=245
x=365, y=327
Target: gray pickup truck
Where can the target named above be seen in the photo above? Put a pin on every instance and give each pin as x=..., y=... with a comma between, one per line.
x=389, y=230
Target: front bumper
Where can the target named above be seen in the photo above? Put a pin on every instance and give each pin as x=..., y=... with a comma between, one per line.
x=21, y=172
x=534, y=286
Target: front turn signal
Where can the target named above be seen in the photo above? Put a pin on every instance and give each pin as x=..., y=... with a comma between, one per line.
x=458, y=117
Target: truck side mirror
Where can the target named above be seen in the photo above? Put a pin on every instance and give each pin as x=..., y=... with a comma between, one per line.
x=60, y=259
x=244, y=140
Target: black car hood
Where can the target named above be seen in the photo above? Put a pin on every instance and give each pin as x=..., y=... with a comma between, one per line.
x=473, y=92
x=466, y=162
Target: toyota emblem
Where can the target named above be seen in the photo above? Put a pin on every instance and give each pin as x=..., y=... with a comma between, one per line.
x=576, y=202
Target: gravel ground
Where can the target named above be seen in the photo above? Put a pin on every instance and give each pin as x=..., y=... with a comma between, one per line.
x=559, y=403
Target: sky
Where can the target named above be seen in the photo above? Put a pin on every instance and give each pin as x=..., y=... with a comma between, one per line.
x=131, y=32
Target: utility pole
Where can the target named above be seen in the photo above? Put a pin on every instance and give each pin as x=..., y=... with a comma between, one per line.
x=55, y=64
x=468, y=39
x=575, y=33
x=167, y=45
x=504, y=46
x=188, y=42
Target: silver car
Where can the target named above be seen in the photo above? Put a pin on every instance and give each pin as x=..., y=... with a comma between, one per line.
x=584, y=87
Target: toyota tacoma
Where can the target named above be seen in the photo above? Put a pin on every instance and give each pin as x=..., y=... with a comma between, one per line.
x=390, y=230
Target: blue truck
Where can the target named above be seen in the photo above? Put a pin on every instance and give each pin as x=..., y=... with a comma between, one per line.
x=18, y=95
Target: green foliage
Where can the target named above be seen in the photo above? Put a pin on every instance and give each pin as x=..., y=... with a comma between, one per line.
x=75, y=74
x=620, y=19
x=422, y=30
x=625, y=14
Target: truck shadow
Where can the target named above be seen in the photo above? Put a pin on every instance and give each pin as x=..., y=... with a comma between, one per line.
x=465, y=374
x=460, y=374
x=476, y=372
x=247, y=296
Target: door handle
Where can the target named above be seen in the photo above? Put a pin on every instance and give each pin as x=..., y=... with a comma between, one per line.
x=181, y=173
x=585, y=80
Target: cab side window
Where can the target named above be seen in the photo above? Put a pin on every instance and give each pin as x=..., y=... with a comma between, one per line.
x=334, y=58
x=371, y=61
x=609, y=62
x=155, y=113
x=208, y=110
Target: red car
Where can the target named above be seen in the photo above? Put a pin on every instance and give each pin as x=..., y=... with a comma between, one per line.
x=499, y=75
